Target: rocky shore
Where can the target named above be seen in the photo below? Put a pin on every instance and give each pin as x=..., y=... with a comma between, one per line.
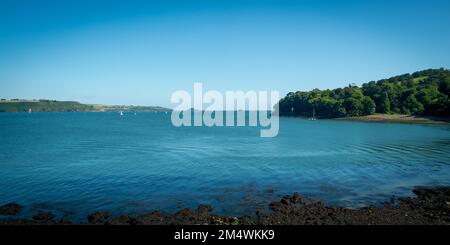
x=398, y=118
x=431, y=206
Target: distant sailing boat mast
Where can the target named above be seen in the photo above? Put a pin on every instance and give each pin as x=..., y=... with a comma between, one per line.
x=313, y=118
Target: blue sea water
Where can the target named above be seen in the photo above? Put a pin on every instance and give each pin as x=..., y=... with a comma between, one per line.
x=76, y=163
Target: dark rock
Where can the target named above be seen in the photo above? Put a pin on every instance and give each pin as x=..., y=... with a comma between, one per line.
x=247, y=220
x=121, y=220
x=279, y=207
x=153, y=218
x=185, y=216
x=185, y=213
x=274, y=205
x=431, y=206
x=296, y=198
x=203, y=211
x=433, y=194
x=10, y=209
x=43, y=216
x=98, y=218
x=286, y=200
x=204, y=208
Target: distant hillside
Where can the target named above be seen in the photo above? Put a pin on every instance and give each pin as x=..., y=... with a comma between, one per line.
x=133, y=108
x=425, y=93
x=66, y=106
x=43, y=106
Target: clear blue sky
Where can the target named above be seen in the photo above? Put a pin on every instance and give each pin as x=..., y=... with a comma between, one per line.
x=131, y=52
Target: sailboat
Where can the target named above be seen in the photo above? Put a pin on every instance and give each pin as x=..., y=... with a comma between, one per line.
x=313, y=118
x=121, y=113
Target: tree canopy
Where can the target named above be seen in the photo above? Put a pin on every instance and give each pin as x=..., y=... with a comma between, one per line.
x=424, y=93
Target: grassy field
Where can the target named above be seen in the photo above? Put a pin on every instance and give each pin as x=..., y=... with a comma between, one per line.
x=419, y=79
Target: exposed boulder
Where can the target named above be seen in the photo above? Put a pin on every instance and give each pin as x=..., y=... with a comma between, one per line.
x=98, y=218
x=203, y=212
x=10, y=209
x=153, y=218
x=122, y=220
x=296, y=198
x=43, y=216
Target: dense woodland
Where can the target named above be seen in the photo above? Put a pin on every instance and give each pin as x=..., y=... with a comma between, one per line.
x=424, y=93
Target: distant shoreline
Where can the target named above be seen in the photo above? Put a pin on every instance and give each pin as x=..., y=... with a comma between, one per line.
x=70, y=106
x=398, y=118
x=380, y=118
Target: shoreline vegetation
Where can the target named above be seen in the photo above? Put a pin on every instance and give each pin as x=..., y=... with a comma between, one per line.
x=429, y=206
x=422, y=97
x=422, y=94
x=42, y=105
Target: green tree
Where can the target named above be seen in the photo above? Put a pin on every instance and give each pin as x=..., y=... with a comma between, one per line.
x=413, y=105
x=353, y=107
x=385, y=104
x=424, y=92
x=368, y=106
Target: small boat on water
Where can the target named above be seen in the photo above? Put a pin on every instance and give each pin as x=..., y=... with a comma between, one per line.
x=313, y=118
x=121, y=113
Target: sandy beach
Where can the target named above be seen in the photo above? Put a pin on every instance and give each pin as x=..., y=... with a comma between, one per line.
x=399, y=118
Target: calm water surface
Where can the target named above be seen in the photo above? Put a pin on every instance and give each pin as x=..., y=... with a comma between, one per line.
x=76, y=163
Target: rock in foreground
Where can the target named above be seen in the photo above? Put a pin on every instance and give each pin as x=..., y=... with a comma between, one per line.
x=10, y=209
x=430, y=206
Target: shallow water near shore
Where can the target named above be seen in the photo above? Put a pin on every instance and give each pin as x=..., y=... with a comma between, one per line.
x=76, y=163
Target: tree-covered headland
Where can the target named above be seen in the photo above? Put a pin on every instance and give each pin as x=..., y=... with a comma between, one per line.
x=425, y=93
x=17, y=105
